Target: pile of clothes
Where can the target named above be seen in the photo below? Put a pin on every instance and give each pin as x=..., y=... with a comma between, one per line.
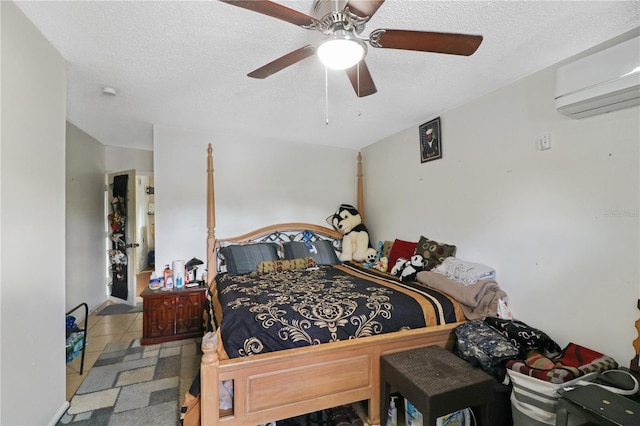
x=464, y=272
x=497, y=345
x=530, y=363
x=473, y=285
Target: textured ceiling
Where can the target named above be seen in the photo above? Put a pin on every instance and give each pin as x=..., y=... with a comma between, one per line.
x=184, y=64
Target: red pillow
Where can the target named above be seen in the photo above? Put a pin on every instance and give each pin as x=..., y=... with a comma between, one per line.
x=401, y=248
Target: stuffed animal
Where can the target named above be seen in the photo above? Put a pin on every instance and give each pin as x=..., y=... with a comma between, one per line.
x=382, y=264
x=355, y=241
x=377, y=258
x=407, y=269
x=398, y=266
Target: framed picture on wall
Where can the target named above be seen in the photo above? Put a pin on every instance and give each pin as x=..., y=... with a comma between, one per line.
x=430, y=141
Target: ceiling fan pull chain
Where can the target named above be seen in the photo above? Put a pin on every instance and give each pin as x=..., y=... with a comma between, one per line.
x=358, y=110
x=326, y=96
x=358, y=78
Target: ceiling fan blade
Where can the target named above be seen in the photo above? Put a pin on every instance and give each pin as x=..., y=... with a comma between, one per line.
x=283, y=62
x=275, y=10
x=364, y=8
x=454, y=44
x=361, y=79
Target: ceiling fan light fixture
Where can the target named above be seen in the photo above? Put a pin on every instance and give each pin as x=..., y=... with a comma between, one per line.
x=341, y=51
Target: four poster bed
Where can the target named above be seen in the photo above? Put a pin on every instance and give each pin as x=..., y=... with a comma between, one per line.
x=347, y=301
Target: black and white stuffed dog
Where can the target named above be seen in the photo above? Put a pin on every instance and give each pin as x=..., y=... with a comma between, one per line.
x=407, y=269
x=355, y=241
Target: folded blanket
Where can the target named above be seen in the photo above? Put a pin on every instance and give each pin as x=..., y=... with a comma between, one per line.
x=573, y=362
x=477, y=300
x=463, y=271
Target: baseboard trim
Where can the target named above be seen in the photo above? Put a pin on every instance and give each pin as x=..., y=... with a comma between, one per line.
x=56, y=418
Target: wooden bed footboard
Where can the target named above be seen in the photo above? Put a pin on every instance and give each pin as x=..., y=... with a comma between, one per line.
x=290, y=383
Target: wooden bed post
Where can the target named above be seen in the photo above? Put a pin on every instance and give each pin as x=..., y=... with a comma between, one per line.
x=209, y=395
x=209, y=379
x=360, y=186
x=635, y=362
x=212, y=266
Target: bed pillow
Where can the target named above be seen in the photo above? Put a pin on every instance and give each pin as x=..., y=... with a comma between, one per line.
x=401, y=248
x=244, y=258
x=434, y=253
x=278, y=266
x=326, y=254
x=386, y=249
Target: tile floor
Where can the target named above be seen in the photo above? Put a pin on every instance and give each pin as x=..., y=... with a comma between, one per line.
x=115, y=328
x=102, y=330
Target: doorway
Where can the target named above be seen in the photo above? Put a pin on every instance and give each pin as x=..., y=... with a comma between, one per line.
x=130, y=234
x=121, y=218
x=145, y=230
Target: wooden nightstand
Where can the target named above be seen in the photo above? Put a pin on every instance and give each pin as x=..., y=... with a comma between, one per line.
x=172, y=314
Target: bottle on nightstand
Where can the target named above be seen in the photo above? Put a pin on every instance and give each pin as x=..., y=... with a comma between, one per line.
x=168, y=277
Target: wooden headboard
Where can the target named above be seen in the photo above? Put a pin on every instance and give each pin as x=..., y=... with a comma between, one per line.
x=280, y=233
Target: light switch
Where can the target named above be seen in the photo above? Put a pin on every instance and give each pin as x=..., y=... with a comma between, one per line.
x=544, y=142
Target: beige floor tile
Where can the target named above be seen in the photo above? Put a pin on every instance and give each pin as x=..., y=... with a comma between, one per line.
x=92, y=322
x=128, y=317
x=130, y=336
x=90, y=359
x=97, y=343
x=93, y=401
x=73, y=383
x=105, y=328
x=135, y=326
x=74, y=365
x=116, y=319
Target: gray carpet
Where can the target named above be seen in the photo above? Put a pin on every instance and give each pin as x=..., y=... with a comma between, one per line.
x=130, y=384
x=120, y=308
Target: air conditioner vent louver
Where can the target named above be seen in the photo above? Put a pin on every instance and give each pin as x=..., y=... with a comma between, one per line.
x=606, y=81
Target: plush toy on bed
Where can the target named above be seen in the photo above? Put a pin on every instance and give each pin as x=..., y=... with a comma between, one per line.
x=380, y=262
x=355, y=241
x=376, y=259
x=407, y=269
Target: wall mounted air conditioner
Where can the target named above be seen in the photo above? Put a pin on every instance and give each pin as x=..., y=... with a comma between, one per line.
x=605, y=81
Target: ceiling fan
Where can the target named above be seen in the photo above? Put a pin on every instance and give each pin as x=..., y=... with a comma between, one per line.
x=343, y=48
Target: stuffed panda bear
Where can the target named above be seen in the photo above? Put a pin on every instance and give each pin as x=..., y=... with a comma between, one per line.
x=407, y=269
x=355, y=241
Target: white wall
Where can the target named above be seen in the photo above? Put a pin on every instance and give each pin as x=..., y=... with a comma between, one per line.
x=32, y=229
x=85, y=221
x=119, y=159
x=561, y=226
x=256, y=185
